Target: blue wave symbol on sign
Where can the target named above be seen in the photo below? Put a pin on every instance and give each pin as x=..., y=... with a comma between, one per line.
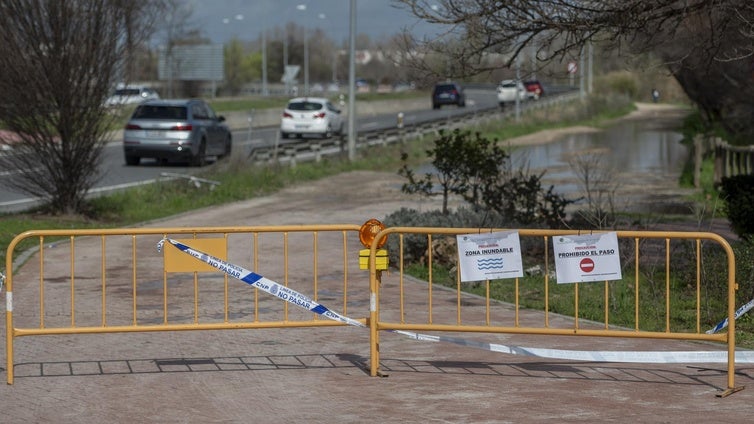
x=491, y=263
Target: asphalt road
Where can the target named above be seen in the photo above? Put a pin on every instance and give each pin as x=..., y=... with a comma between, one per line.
x=116, y=175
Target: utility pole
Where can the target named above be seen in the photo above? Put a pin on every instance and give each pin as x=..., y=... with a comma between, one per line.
x=265, y=90
x=351, y=84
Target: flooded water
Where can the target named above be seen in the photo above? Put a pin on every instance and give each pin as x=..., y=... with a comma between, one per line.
x=638, y=162
x=638, y=158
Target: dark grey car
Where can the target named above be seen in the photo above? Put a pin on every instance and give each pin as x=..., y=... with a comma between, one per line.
x=182, y=130
x=448, y=94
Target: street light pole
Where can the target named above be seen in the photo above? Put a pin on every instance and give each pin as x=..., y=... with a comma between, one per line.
x=302, y=7
x=306, y=61
x=265, y=90
x=351, y=84
x=285, y=61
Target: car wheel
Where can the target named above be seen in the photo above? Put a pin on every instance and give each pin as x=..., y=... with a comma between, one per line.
x=132, y=160
x=201, y=156
x=284, y=134
x=434, y=106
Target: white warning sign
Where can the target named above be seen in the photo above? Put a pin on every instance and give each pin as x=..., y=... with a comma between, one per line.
x=586, y=258
x=489, y=256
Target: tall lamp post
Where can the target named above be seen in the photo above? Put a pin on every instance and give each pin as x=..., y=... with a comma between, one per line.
x=265, y=89
x=352, y=83
x=302, y=7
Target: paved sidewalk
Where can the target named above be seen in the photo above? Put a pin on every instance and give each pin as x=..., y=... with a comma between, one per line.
x=313, y=375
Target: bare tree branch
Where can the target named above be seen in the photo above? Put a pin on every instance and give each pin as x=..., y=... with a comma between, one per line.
x=708, y=45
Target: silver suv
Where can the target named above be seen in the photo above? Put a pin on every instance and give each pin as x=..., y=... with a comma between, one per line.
x=184, y=130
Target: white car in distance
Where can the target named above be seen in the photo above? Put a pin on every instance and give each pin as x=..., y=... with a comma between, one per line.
x=508, y=90
x=311, y=116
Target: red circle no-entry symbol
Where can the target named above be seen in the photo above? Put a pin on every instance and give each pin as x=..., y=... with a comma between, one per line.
x=586, y=265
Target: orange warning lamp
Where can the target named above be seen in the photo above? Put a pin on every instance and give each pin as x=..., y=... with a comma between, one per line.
x=369, y=230
x=367, y=233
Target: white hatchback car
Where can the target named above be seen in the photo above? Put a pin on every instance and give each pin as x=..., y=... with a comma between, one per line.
x=311, y=116
x=508, y=90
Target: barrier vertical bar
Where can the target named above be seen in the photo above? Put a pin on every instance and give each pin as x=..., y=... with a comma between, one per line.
x=374, y=317
x=636, y=283
x=196, y=293
x=164, y=293
x=667, y=285
x=576, y=306
x=732, y=286
x=515, y=303
x=431, y=281
x=285, y=272
x=41, y=282
x=547, y=282
x=73, y=282
x=607, y=305
x=133, y=280
x=400, y=276
x=345, y=272
x=698, y=285
x=487, y=306
x=256, y=269
x=314, y=272
x=196, y=297
x=9, y=313
x=104, y=284
x=226, y=306
x=458, y=301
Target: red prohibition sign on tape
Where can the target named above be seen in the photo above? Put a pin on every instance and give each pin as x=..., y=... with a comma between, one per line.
x=586, y=265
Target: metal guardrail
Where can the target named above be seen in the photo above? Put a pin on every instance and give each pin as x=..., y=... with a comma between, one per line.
x=303, y=150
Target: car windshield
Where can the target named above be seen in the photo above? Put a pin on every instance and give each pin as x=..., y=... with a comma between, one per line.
x=508, y=85
x=127, y=92
x=160, y=112
x=442, y=88
x=304, y=106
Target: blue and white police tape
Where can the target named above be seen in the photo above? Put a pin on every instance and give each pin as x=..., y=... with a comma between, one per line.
x=262, y=283
x=646, y=357
x=740, y=311
x=298, y=299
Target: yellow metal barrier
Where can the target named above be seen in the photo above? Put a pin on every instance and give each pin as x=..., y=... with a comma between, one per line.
x=651, y=260
x=115, y=281
x=110, y=281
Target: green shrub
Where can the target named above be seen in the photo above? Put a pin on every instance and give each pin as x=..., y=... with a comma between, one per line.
x=480, y=171
x=738, y=194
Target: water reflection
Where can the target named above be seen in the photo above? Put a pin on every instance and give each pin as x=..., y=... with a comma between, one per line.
x=637, y=154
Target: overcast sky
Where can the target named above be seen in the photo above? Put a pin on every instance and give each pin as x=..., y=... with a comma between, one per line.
x=220, y=20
